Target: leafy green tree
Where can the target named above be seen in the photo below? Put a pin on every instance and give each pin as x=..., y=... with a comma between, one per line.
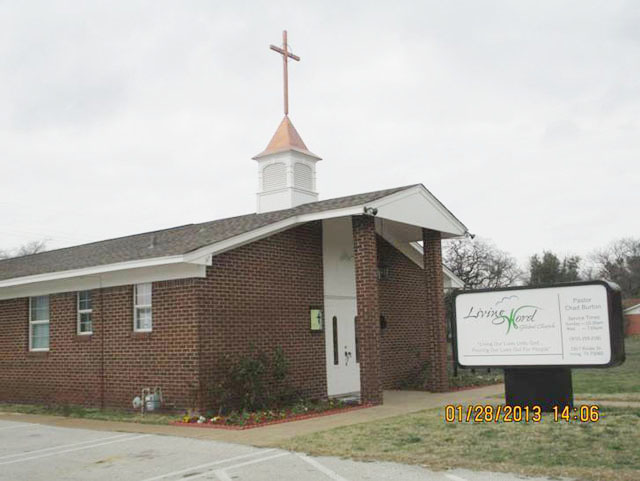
x=549, y=269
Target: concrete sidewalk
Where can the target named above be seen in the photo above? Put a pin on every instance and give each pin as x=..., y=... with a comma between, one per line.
x=396, y=403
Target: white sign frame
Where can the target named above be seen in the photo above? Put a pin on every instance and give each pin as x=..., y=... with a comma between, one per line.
x=572, y=325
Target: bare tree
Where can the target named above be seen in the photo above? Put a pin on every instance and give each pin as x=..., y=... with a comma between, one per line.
x=33, y=247
x=480, y=264
x=618, y=262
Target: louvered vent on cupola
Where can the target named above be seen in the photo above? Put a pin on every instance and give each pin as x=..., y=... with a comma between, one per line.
x=286, y=170
x=274, y=176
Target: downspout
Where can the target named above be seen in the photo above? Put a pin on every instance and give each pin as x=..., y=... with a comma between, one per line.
x=102, y=336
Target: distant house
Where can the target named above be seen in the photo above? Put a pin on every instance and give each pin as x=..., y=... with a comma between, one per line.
x=632, y=316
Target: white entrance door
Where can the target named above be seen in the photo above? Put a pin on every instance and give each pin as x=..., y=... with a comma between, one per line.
x=343, y=368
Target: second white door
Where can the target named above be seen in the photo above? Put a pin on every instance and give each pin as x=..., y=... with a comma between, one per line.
x=343, y=368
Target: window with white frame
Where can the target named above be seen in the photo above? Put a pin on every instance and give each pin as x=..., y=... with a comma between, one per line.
x=142, y=321
x=85, y=312
x=39, y=323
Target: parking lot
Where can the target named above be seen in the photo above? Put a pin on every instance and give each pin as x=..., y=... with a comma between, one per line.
x=34, y=452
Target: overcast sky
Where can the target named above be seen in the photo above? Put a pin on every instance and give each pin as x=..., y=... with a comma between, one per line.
x=121, y=117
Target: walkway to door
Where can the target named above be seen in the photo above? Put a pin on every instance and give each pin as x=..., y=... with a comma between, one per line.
x=395, y=404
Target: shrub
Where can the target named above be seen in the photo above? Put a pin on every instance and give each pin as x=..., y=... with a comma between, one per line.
x=252, y=382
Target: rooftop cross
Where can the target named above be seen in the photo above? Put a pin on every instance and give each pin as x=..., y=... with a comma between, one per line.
x=286, y=55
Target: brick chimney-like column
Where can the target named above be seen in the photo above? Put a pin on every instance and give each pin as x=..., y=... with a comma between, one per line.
x=368, y=323
x=437, y=380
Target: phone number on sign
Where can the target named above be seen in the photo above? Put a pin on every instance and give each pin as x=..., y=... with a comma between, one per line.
x=486, y=413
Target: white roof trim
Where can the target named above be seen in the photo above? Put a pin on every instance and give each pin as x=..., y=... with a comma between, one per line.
x=414, y=252
x=631, y=308
x=119, y=266
x=268, y=230
x=203, y=254
x=106, y=279
x=456, y=282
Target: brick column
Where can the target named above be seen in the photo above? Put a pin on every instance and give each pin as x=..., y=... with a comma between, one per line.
x=437, y=379
x=368, y=325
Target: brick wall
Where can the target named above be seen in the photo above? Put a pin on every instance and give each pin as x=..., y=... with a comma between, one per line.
x=166, y=357
x=259, y=295
x=67, y=374
x=368, y=320
x=404, y=342
x=632, y=324
x=71, y=372
x=437, y=327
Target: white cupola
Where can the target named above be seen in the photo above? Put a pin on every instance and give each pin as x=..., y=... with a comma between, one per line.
x=286, y=171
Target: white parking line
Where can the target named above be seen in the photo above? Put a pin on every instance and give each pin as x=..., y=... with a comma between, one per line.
x=21, y=460
x=222, y=473
x=20, y=426
x=207, y=465
x=26, y=453
x=328, y=472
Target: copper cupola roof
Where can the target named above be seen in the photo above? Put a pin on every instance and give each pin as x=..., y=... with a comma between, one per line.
x=286, y=138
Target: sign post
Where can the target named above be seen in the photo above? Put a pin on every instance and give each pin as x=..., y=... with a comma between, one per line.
x=537, y=335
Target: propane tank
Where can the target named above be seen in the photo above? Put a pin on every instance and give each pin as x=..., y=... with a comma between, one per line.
x=152, y=402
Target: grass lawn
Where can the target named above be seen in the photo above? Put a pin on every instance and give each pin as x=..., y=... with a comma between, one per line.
x=608, y=450
x=618, y=383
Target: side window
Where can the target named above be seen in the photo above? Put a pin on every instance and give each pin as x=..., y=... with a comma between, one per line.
x=142, y=319
x=85, y=311
x=39, y=323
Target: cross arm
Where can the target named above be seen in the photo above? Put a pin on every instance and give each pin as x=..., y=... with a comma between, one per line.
x=282, y=52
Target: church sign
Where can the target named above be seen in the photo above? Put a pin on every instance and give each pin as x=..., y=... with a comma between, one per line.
x=569, y=325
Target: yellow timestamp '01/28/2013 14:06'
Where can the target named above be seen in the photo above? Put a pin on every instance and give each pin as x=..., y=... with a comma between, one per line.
x=487, y=413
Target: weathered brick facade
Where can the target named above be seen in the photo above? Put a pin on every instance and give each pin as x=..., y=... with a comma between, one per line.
x=404, y=342
x=101, y=370
x=368, y=299
x=257, y=296
x=632, y=324
x=437, y=328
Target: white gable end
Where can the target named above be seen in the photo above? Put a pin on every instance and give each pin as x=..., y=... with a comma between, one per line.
x=418, y=207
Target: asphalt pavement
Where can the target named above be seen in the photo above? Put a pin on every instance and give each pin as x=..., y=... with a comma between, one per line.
x=38, y=452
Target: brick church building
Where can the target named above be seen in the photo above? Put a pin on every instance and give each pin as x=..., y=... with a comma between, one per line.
x=96, y=323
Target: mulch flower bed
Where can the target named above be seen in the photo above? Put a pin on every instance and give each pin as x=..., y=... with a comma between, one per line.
x=260, y=418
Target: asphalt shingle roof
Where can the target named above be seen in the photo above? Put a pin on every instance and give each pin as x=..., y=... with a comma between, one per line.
x=168, y=242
